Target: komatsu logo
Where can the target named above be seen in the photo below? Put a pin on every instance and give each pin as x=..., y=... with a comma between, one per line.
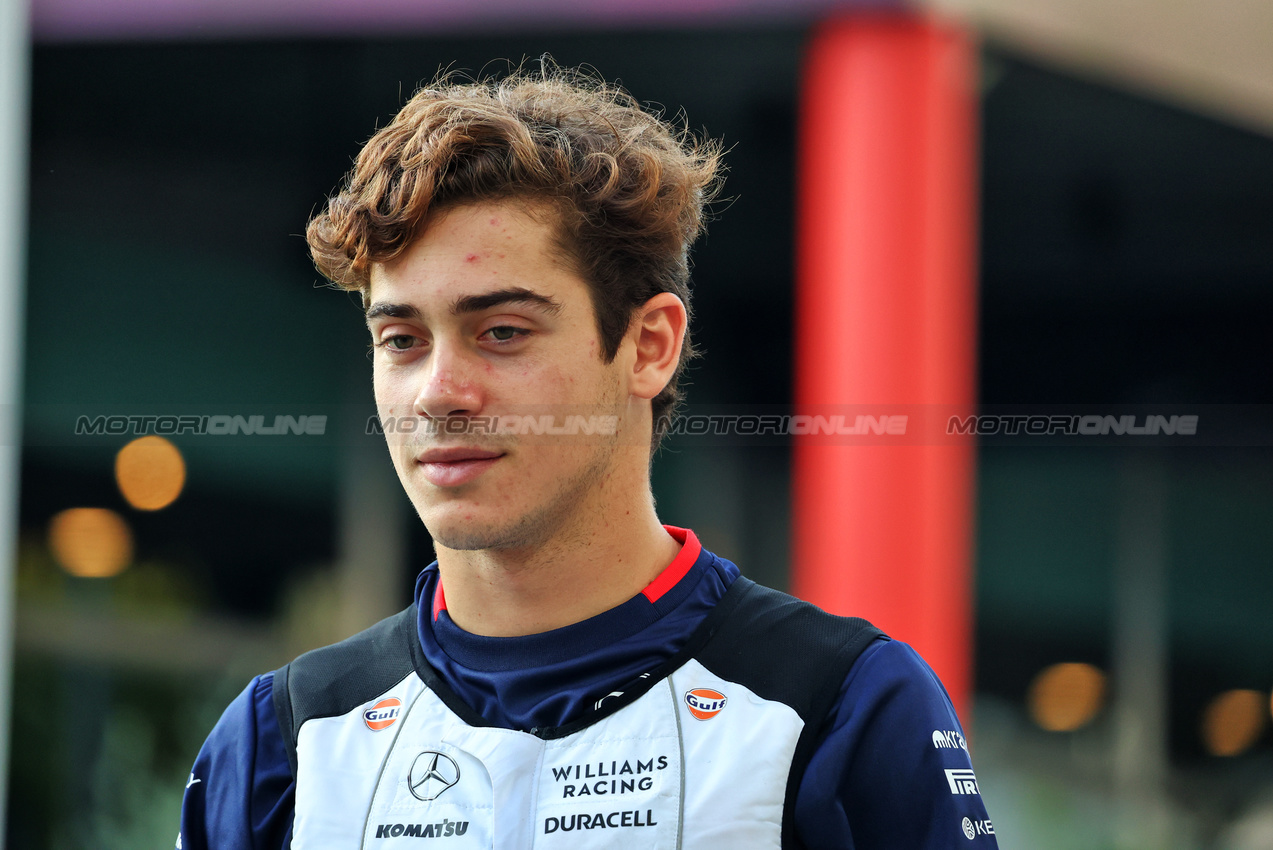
x=443, y=829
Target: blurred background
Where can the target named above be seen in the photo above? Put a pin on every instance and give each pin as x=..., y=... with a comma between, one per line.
x=1123, y=638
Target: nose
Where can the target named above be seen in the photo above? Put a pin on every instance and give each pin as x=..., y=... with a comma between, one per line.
x=448, y=388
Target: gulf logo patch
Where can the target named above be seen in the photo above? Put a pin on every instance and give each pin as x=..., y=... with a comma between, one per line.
x=705, y=703
x=383, y=714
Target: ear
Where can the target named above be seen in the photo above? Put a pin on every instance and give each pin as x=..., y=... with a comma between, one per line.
x=658, y=329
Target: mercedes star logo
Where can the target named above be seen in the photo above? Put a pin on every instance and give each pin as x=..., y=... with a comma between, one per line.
x=431, y=774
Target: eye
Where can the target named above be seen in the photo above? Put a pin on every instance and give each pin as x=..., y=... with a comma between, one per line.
x=397, y=342
x=503, y=333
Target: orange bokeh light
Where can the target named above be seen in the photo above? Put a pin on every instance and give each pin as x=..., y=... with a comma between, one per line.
x=91, y=542
x=1065, y=697
x=150, y=473
x=1232, y=722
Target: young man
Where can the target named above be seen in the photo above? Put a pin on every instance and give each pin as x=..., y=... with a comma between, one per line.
x=572, y=672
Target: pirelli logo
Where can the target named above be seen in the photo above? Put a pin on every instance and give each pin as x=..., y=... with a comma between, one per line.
x=962, y=782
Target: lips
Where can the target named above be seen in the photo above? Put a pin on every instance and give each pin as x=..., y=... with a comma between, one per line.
x=451, y=467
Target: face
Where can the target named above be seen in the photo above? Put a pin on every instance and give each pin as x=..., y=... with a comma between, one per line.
x=480, y=322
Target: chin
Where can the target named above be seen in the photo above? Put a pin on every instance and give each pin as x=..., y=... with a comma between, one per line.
x=472, y=539
x=462, y=532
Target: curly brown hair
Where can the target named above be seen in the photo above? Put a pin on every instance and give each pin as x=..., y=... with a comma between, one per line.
x=629, y=188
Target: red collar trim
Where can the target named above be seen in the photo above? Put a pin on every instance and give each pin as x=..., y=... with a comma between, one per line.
x=439, y=599
x=675, y=571
x=663, y=582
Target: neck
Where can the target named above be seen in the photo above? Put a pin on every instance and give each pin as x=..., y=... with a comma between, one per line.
x=578, y=572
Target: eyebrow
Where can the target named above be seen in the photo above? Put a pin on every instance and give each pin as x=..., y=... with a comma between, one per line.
x=393, y=311
x=512, y=295
x=470, y=304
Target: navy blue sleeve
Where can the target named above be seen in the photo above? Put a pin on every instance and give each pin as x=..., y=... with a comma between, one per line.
x=893, y=769
x=240, y=792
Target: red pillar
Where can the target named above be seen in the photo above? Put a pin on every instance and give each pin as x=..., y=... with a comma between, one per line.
x=886, y=315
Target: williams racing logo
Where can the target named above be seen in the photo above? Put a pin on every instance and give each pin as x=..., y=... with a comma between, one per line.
x=432, y=774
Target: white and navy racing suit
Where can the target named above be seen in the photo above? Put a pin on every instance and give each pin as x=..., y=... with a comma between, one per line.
x=706, y=712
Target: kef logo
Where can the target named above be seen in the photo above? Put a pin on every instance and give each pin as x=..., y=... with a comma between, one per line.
x=383, y=714
x=704, y=703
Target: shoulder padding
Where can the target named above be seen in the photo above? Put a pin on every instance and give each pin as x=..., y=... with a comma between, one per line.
x=785, y=649
x=333, y=680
